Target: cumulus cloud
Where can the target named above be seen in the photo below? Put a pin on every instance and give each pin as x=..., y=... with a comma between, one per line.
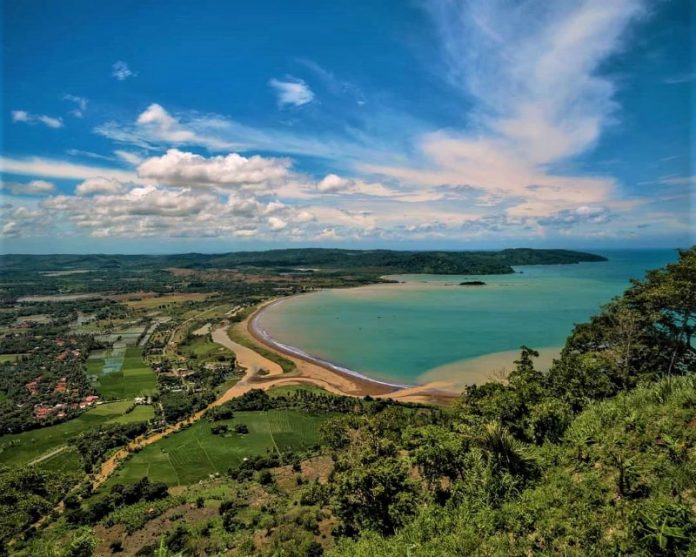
x=80, y=105
x=107, y=207
x=337, y=185
x=21, y=221
x=99, y=185
x=332, y=183
x=121, y=71
x=29, y=118
x=184, y=168
x=34, y=187
x=277, y=223
x=292, y=91
x=581, y=215
x=164, y=124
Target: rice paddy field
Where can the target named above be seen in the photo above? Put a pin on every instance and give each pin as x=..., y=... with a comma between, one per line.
x=30, y=446
x=195, y=453
x=121, y=373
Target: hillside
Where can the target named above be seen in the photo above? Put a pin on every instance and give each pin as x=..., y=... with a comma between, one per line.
x=365, y=261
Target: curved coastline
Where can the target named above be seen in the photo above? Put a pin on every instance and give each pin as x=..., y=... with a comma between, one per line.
x=262, y=336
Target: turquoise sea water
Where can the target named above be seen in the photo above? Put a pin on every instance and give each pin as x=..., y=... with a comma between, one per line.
x=396, y=333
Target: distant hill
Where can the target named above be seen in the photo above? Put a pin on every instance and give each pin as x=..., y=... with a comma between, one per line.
x=327, y=260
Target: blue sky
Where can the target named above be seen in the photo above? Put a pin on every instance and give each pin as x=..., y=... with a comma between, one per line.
x=210, y=126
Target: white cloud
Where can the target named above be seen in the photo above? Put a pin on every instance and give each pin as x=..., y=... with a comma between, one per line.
x=158, y=128
x=678, y=180
x=164, y=125
x=582, y=215
x=337, y=185
x=99, y=185
x=88, y=154
x=539, y=100
x=156, y=211
x=29, y=118
x=184, y=168
x=52, y=168
x=332, y=183
x=292, y=91
x=20, y=116
x=34, y=187
x=80, y=105
x=121, y=71
x=277, y=223
x=22, y=221
x=128, y=156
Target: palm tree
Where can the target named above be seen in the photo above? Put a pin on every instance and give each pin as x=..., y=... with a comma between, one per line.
x=503, y=449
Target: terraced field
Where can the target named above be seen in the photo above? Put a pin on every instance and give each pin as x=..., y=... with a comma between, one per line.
x=195, y=453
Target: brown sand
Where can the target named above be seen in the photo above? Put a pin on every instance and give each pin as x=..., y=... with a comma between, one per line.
x=491, y=367
x=246, y=357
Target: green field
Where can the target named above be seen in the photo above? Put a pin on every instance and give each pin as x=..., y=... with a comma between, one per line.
x=205, y=350
x=65, y=461
x=21, y=448
x=194, y=453
x=124, y=378
x=141, y=413
x=8, y=358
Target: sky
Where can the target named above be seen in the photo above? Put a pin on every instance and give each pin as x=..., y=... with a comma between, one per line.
x=155, y=127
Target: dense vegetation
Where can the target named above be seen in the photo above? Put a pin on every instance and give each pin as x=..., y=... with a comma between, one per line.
x=46, y=382
x=441, y=262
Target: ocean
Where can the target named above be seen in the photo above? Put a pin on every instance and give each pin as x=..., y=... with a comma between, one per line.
x=429, y=328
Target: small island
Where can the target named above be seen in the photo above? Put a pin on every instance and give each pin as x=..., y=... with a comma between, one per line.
x=472, y=283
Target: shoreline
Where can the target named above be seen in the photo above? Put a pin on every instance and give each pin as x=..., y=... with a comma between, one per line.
x=336, y=379
x=262, y=336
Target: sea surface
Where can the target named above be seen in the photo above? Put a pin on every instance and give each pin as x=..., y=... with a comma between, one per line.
x=429, y=328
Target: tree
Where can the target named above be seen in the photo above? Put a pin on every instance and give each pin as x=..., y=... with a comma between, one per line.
x=503, y=450
x=668, y=296
x=83, y=543
x=376, y=495
x=437, y=452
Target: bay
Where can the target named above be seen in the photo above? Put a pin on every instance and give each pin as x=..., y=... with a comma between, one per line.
x=429, y=327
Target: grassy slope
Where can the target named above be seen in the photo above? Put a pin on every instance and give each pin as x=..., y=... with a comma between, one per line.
x=576, y=507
